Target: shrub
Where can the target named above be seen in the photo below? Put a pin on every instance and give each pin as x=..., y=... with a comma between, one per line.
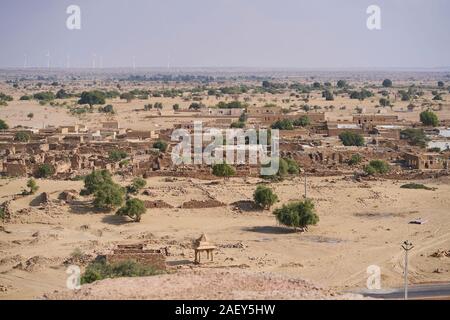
x=415, y=186
x=134, y=208
x=25, y=98
x=22, y=136
x=355, y=159
x=223, y=170
x=385, y=102
x=176, y=107
x=3, y=125
x=237, y=125
x=32, y=185
x=264, y=197
x=377, y=166
x=107, y=109
x=369, y=170
x=127, y=96
x=136, y=185
x=292, y=166
x=161, y=145
x=45, y=170
x=285, y=167
x=62, y=94
x=298, y=214
x=328, y=95
x=415, y=137
x=349, y=138
x=429, y=118
x=117, y=155
x=303, y=121
x=44, y=96
x=109, y=196
x=96, y=179
x=284, y=124
x=100, y=269
x=341, y=84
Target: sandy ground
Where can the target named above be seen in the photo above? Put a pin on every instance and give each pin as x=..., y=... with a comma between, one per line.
x=203, y=285
x=361, y=224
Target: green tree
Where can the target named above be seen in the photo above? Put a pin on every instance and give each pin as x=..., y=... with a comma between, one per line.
x=328, y=95
x=264, y=197
x=387, y=83
x=284, y=124
x=133, y=208
x=223, y=170
x=136, y=185
x=127, y=96
x=96, y=179
x=341, y=84
x=298, y=214
x=176, y=107
x=416, y=137
x=22, y=136
x=440, y=84
x=45, y=170
x=429, y=118
x=109, y=196
x=92, y=97
x=30, y=115
x=349, y=138
x=161, y=145
x=3, y=125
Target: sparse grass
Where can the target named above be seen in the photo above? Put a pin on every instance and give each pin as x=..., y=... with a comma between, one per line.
x=76, y=253
x=99, y=270
x=416, y=186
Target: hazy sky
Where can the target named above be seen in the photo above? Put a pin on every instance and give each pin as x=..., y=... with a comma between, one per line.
x=224, y=33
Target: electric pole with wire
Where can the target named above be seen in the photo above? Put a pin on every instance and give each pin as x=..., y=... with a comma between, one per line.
x=406, y=246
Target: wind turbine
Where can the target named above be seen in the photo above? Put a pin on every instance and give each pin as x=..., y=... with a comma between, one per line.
x=134, y=62
x=25, y=61
x=68, y=61
x=94, y=56
x=101, y=62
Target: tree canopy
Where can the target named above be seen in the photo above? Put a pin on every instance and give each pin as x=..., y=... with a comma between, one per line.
x=133, y=208
x=387, y=83
x=298, y=214
x=92, y=97
x=429, y=118
x=264, y=197
x=223, y=170
x=350, y=138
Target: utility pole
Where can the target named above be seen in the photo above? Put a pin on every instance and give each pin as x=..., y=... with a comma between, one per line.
x=406, y=246
x=305, y=185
